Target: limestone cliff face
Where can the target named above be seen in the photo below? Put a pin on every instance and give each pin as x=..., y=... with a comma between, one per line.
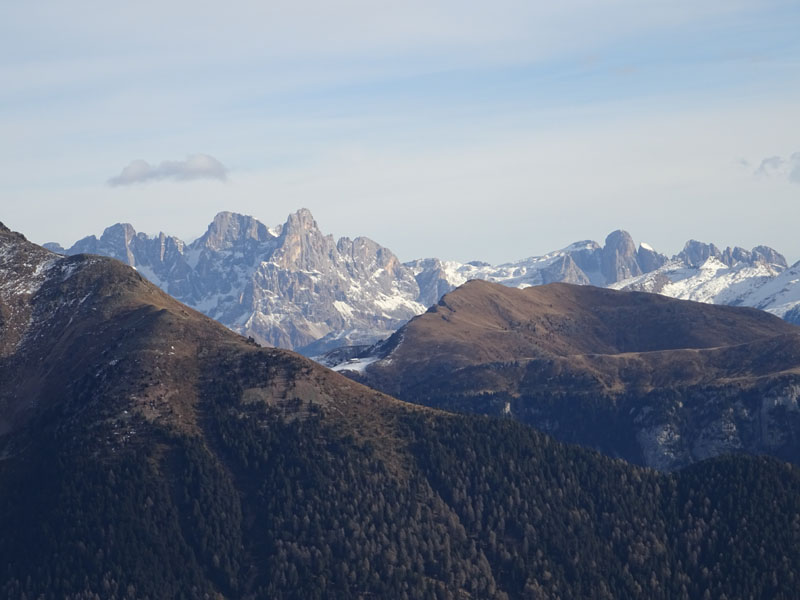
x=649, y=259
x=619, y=259
x=695, y=253
x=230, y=230
x=564, y=269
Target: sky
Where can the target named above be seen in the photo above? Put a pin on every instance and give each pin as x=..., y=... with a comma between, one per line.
x=462, y=130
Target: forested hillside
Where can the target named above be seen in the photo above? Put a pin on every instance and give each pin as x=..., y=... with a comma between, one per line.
x=148, y=452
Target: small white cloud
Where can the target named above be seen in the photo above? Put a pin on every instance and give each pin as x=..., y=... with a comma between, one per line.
x=770, y=166
x=197, y=166
x=777, y=166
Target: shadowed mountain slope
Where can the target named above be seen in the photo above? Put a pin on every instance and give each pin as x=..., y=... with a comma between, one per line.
x=148, y=452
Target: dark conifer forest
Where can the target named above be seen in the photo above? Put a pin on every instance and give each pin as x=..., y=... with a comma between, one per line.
x=273, y=507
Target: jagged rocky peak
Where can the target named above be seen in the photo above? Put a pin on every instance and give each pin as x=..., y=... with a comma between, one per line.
x=364, y=255
x=736, y=254
x=431, y=278
x=300, y=220
x=583, y=248
x=621, y=242
x=649, y=259
x=118, y=239
x=168, y=242
x=564, y=269
x=619, y=257
x=695, y=253
x=118, y=234
x=587, y=255
x=114, y=242
x=302, y=245
x=53, y=247
x=229, y=229
x=769, y=255
x=87, y=245
x=3, y=227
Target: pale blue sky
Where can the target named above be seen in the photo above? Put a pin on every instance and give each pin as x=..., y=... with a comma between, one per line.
x=454, y=129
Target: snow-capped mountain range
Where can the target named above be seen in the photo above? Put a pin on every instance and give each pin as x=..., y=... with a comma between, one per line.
x=760, y=279
x=295, y=287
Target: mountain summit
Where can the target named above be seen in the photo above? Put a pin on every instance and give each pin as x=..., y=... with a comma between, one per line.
x=230, y=230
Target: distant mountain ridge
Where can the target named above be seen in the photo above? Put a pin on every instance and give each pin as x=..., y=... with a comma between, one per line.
x=701, y=272
x=293, y=286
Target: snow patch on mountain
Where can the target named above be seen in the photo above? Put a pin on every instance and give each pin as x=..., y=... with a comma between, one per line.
x=760, y=284
x=357, y=365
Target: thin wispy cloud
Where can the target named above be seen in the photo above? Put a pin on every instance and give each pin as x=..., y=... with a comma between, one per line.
x=197, y=166
x=778, y=166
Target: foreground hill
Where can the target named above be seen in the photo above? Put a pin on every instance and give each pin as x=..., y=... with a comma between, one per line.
x=657, y=381
x=148, y=452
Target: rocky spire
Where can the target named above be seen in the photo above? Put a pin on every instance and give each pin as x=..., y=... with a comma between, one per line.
x=649, y=259
x=118, y=239
x=769, y=256
x=619, y=257
x=695, y=253
x=229, y=230
x=303, y=246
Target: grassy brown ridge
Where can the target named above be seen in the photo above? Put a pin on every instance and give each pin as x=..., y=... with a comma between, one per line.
x=574, y=359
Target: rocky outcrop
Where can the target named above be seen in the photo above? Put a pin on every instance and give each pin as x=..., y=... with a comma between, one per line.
x=230, y=230
x=432, y=280
x=565, y=269
x=649, y=259
x=619, y=260
x=695, y=253
x=769, y=256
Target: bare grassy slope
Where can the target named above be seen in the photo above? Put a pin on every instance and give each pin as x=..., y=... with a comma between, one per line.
x=607, y=369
